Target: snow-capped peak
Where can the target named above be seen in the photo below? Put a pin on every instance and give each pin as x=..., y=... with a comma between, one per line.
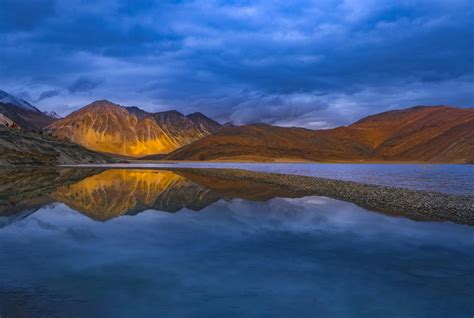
x=10, y=99
x=53, y=114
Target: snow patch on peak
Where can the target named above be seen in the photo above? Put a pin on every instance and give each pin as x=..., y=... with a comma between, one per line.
x=18, y=102
x=53, y=114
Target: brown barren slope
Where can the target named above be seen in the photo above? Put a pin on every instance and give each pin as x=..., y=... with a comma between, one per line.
x=424, y=134
x=24, y=148
x=26, y=119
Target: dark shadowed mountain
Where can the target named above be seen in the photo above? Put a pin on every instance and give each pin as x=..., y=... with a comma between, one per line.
x=14, y=110
x=21, y=147
x=107, y=127
x=424, y=134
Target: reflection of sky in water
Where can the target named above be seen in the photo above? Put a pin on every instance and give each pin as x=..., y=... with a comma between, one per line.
x=453, y=179
x=309, y=257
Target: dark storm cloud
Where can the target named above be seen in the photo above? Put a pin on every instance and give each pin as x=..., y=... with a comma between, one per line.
x=83, y=84
x=310, y=63
x=48, y=94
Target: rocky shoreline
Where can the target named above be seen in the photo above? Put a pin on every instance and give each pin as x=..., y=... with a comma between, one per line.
x=414, y=204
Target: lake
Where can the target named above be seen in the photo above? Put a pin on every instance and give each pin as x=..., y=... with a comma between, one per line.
x=446, y=178
x=159, y=243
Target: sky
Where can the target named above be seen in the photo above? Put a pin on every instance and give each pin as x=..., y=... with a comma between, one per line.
x=315, y=64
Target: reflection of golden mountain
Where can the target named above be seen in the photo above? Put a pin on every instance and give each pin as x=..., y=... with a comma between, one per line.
x=103, y=195
x=117, y=192
x=239, y=188
x=22, y=192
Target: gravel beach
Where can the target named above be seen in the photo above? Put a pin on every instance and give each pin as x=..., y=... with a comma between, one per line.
x=414, y=204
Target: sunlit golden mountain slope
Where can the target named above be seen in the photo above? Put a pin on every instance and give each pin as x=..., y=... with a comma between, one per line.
x=107, y=127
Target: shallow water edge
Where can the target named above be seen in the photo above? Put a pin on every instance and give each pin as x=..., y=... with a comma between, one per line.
x=414, y=204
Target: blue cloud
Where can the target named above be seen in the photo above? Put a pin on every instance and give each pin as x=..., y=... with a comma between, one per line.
x=83, y=84
x=48, y=94
x=303, y=62
x=24, y=15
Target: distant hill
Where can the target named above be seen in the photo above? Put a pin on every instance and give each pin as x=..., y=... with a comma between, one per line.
x=418, y=134
x=107, y=127
x=20, y=147
x=18, y=112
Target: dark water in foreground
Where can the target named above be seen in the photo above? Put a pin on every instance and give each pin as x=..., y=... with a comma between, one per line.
x=125, y=243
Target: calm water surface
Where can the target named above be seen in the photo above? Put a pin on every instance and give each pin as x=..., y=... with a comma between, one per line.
x=144, y=243
x=448, y=178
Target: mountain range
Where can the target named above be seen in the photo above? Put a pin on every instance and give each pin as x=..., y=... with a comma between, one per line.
x=18, y=112
x=129, y=131
x=418, y=134
x=438, y=134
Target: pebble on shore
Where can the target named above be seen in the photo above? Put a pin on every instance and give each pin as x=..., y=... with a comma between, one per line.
x=414, y=204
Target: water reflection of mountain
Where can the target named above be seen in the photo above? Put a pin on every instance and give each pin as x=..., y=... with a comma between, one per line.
x=117, y=192
x=240, y=188
x=23, y=192
x=106, y=194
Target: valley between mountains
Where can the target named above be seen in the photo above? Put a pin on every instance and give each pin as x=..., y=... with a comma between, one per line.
x=104, y=131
